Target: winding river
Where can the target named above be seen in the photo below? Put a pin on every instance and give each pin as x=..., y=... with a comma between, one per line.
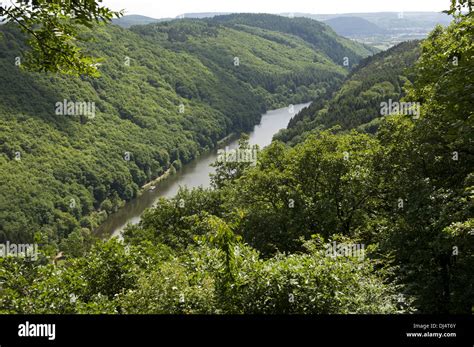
x=196, y=173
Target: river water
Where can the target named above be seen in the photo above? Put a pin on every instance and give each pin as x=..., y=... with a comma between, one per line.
x=196, y=173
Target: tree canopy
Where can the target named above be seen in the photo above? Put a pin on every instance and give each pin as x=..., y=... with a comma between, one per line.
x=349, y=221
x=53, y=32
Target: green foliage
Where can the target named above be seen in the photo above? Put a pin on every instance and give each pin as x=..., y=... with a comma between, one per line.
x=77, y=243
x=173, y=287
x=276, y=64
x=328, y=184
x=407, y=191
x=357, y=103
x=313, y=283
x=53, y=28
x=460, y=7
x=159, y=100
x=317, y=34
x=88, y=284
x=226, y=172
x=114, y=278
x=430, y=165
x=173, y=221
x=258, y=241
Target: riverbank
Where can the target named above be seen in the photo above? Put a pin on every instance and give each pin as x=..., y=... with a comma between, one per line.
x=155, y=185
x=193, y=174
x=227, y=139
x=157, y=180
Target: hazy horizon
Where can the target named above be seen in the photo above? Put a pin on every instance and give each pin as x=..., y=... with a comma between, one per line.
x=281, y=13
x=154, y=9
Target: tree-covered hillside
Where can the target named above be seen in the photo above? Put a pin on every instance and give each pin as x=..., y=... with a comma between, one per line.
x=357, y=103
x=341, y=222
x=405, y=192
x=134, y=19
x=320, y=36
x=167, y=92
x=354, y=26
x=395, y=21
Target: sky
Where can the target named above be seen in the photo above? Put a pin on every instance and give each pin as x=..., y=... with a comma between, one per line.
x=173, y=8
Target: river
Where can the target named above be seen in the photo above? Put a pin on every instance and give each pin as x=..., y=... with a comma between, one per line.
x=196, y=173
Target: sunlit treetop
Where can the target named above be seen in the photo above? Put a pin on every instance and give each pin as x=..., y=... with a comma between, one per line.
x=52, y=28
x=461, y=7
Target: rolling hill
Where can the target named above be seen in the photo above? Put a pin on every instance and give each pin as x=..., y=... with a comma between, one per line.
x=168, y=91
x=356, y=104
x=135, y=19
x=354, y=26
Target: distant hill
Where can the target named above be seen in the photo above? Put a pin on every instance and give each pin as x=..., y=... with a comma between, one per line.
x=135, y=19
x=354, y=26
x=167, y=92
x=319, y=35
x=356, y=104
x=203, y=15
x=393, y=20
x=399, y=26
x=382, y=20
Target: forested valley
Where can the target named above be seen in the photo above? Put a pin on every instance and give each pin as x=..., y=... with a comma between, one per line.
x=166, y=93
x=400, y=185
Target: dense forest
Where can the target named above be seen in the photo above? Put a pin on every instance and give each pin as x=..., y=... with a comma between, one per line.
x=354, y=26
x=167, y=92
x=257, y=242
x=356, y=104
